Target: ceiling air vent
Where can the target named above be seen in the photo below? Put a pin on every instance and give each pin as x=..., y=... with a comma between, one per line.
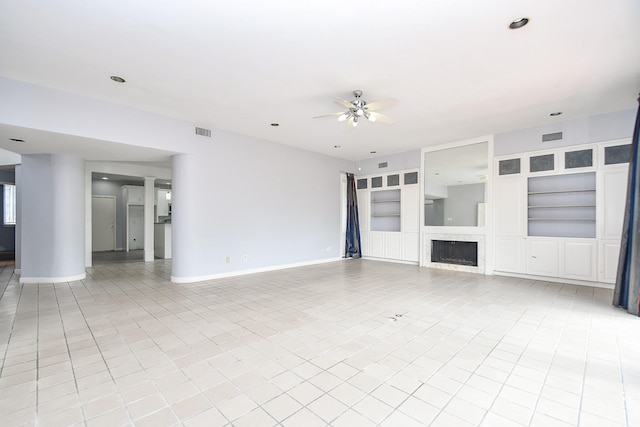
x=548, y=137
x=382, y=165
x=203, y=132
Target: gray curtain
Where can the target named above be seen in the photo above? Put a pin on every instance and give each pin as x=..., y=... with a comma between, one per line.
x=627, y=288
x=352, y=242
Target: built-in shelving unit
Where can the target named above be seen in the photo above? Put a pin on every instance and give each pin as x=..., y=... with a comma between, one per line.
x=386, y=210
x=562, y=205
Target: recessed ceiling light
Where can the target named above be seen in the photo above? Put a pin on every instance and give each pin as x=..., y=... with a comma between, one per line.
x=275, y=125
x=336, y=146
x=518, y=23
x=117, y=79
x=17, y=140
x=557, y=113
x=104, y=177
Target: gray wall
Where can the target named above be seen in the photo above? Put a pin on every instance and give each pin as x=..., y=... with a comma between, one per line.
x=52, y=216
x=460, y=208
x=232, y=195
x=242, y=196
x=399, y=161
x=603, y=127
x=7, y=233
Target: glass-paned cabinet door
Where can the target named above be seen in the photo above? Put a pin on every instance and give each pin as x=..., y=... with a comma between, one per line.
x=509, y=166
x=361, y=183
x=578, y=159
x=617, y=154
x=376, y=182
x=393, y=180
x=410, y=178
x=541, y=163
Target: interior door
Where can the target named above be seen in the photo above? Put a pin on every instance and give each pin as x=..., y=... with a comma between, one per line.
x=103, y=224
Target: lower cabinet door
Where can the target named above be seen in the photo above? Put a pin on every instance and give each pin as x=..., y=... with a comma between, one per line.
x=376, y=244
x=542, y=257
x=410, y=247
x=393, y=245
x=578, y=259
x=609, y=254
x=364, y=243
x=510, y=254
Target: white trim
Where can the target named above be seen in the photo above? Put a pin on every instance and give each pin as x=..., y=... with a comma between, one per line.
x=192, y=279
x=397, y=261
x=17, y=271
x=53, y=279
x=556, y=280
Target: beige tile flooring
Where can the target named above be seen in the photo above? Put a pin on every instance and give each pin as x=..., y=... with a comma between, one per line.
x=351, y=343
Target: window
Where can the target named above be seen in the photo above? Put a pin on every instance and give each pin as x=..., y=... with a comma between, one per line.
x=9, y=204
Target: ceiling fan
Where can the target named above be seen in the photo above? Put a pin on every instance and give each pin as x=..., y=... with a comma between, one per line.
x=360, y=109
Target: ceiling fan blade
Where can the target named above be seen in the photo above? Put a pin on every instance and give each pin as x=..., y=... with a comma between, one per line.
x=343, y=103
x=383, y=103
x=382, y=118
x=326, y=116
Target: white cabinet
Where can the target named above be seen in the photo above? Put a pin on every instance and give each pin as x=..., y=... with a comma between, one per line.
x=410, y=247
x=162, y=202
x=608, y=265
x=578, y=259
x=376, y=244
x=389, y=211
x=559, y=213
x=613, y=194
x=509, y=203
x=510, y=254
x=133, y=195
x=410, y=208
x=542, y=257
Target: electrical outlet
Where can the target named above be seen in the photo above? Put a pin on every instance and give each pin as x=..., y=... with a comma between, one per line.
x=228, y=260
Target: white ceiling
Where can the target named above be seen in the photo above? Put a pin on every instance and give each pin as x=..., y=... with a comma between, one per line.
x=454, y=66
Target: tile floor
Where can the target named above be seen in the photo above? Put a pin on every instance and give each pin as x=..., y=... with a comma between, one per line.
x=352, y=343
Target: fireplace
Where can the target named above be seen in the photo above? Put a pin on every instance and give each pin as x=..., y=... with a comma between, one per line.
x=454, y=252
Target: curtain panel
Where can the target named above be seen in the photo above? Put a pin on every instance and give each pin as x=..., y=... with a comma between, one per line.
x=627, y=289
x=352, y=241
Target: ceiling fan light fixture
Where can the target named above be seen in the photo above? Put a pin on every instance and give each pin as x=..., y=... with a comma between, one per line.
x=343, y=117
x=370, y=116
x=355, y=121
x=359, y=112
x=518, y=23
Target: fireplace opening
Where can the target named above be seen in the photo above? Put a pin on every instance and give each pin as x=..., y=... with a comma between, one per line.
x=454, y=252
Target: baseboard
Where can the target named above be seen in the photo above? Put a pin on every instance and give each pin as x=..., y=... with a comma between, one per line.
x=34, y=280
x=556, y=280
x=397, y=261
x=192, y=279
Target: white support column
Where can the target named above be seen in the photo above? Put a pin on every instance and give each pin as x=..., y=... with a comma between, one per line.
x=149, y=182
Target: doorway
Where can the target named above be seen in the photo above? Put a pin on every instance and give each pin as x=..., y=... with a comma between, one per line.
x=103, y=223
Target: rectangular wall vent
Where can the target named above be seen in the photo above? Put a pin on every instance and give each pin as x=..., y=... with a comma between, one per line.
x=382, y=165
x=548, y=137
x=203, y=132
